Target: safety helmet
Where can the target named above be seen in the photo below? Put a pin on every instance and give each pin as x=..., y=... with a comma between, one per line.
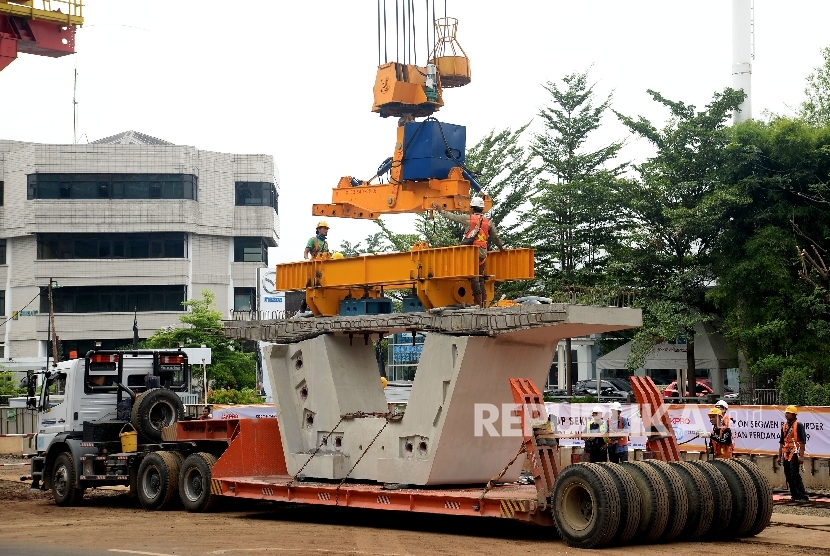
x=322, y=224
x=477, y=202
x=723, y=405
x=715, y=411
x=597, y=409
x=384, y=381
x=338, y=255
x=616, y=406
x=791, y=409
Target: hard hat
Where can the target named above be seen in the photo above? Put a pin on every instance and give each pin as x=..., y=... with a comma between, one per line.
x=322, y=224
x=477, y=202
x=791, y=409
x=723, y=405
x=715, y=411
x=338, y=255
x=383, y=381
x=616, y=406
x=597, y=409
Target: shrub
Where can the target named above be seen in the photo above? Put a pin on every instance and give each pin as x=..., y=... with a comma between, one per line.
x=244, y=396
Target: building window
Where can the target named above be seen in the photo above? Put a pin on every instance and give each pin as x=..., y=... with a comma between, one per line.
x=112, y=186
x=3, y=301
x=2, y=193
x=114, y=299
x=244, y=299
x=2, y=251
x=256, y=194
x=250, y=250
x=160, y=245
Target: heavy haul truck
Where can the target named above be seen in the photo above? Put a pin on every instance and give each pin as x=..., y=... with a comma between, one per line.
x=475, y=413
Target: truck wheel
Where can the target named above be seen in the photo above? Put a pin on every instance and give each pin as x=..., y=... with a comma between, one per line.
x=155, y=409
x=678, y=500
x=721, y=500
x=744, y=497
x=630, y=503
x=64, y=480
x=158, y=480
x=586, y=506
x=194, y=482
x=654, y=509
x=701, y=505
x=763, y=489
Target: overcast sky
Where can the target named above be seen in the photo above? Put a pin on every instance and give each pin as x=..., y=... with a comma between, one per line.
x=294, y=79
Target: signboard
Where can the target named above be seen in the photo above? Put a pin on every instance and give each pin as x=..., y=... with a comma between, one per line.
x=271, y=302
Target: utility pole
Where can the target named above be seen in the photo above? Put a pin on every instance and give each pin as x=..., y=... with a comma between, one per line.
x=50, y=327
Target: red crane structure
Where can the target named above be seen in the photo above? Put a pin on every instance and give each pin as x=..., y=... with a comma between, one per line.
x=42, y=27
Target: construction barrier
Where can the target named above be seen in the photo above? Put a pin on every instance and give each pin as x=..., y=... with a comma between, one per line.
x=17, y=420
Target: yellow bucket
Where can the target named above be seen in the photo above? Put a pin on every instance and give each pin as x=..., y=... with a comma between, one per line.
x=129, y=439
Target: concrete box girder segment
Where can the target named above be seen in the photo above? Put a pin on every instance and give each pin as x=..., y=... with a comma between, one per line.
x=457, y=427
x=439, y=276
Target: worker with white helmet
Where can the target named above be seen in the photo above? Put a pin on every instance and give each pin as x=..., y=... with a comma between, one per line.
x=479, y=230
x=596, y=446
x=724, y=407
x=618, y=445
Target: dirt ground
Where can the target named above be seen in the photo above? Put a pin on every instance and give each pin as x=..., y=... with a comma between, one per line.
x=109, y=521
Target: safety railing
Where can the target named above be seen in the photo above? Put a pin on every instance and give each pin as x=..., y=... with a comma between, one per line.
x=70, y=12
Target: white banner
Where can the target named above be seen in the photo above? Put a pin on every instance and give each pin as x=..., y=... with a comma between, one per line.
x=253, y=411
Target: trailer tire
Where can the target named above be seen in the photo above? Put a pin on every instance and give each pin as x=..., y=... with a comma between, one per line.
x=744, y=497
x=721, y=500
x=180, y=457
x=194, y=482
x=155, y=409
x=158, y=480
x=678, y=499
x=701, y=500
x=630, y=503
x=654, y=500
x=763, y=489
x=585, y=505
x=64, y=478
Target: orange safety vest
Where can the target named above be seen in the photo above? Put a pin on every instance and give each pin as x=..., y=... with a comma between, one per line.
x=721, y=451
x=619, y=440
x=479, y=230
x=792, y=444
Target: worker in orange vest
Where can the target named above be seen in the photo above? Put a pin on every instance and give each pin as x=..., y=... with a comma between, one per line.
x=724, y=407
x=319, y=243
x=721, y=435
x=791, y=453
x=617, y=445
x=479, y=230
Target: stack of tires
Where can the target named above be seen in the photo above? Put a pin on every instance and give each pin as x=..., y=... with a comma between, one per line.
x=651, y=501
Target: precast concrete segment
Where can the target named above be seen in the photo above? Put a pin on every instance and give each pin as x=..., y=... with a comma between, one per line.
x=459, y=426
x=522, y=324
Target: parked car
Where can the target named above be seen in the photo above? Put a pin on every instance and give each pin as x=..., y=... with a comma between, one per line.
x=703, y=388
x=609, y=388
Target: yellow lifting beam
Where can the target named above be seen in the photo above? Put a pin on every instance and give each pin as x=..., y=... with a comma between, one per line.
x=70, y=12
x=440, y=276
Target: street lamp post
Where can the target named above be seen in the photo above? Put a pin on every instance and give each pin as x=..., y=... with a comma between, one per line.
x=50, y=327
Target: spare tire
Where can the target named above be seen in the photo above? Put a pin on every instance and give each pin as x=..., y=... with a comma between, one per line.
x=764, y=490
x=585, y=505
x=701, y=500
x=721, y=500
x=155, y=409
x=744, y=496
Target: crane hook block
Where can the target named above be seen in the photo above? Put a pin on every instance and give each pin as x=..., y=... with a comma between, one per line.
x=402, y=90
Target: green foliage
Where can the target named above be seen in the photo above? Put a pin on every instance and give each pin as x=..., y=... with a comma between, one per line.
x=574, y=209
x=795, y=386
x=584, y=399
x=243, y=396
x=230, y=365
x=816, y=107
x=8, y=385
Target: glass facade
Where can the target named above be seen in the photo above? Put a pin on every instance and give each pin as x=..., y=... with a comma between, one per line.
x=244, y=299
x=167, y=245
x=112, y=186
x=2, y=251
x=114, y=299
x=256, y=194
x=250, y=250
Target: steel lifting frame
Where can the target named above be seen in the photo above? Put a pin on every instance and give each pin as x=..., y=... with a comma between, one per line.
x=661, y=439
x=44, y=32
x=542, y=457
x=439, y=276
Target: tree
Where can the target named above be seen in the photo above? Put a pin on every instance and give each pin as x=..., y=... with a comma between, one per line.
x=815, y=109
x=573, y=216
x=230, y=366
x=676, y=211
